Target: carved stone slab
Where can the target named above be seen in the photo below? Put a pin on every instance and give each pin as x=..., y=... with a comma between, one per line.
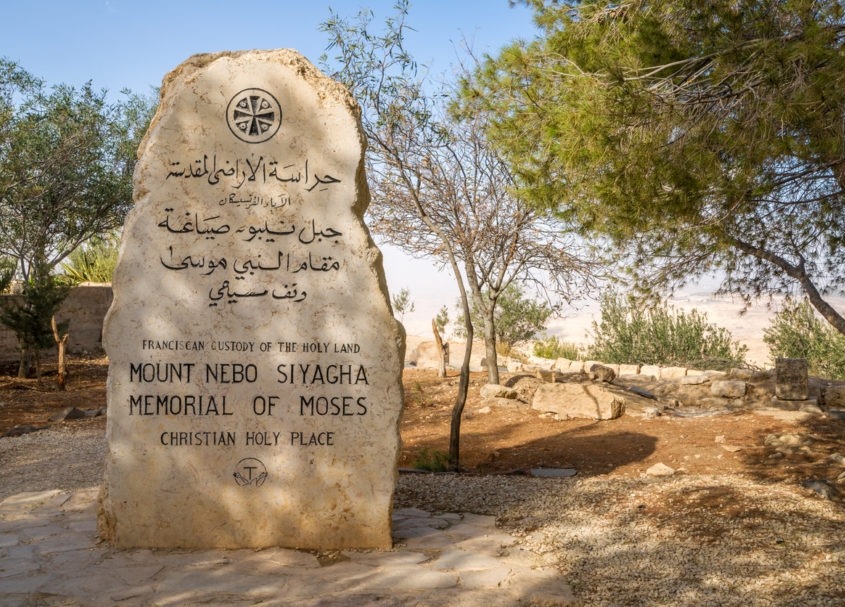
x=255, y=365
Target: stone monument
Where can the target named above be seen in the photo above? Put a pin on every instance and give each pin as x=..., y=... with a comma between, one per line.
x=254, y=387
x=791, y=379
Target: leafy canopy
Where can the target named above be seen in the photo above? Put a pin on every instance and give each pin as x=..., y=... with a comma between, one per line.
x=66, y=161
x=700, y=135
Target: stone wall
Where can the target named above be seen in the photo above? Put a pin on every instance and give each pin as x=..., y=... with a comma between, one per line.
x=85, y=308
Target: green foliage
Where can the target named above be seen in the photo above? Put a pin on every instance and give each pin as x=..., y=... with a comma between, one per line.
x=92, y=262
x=517, y=318
x=7, y=273
x=29, y=316
x=652, y=334
x=796, y=331
x=553, y=348
x=700, y=136
x=441, y=321
x=431, y=460
x=402, y=303
x=66, y=161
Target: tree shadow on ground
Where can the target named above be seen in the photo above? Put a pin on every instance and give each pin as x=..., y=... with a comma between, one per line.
x=812, y=452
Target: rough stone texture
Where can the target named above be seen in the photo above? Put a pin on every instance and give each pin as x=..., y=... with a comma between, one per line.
x=728, y=388
x=442, y=560
x=603, y=373
x=791, y=381
x=250, y=301
x=629, y=370
x=660, y=469
x=497, y=391
x=562, y=364
x=650, y=370
x=672, y=372
x=833, y=396
x=580, y=401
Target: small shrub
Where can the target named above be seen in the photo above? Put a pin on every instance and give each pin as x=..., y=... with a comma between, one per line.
x=431, y=460
x=658, y=334
x=797, y=332
x=553, y=348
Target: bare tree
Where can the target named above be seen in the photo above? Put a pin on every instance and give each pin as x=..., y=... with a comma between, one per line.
x=440, y=191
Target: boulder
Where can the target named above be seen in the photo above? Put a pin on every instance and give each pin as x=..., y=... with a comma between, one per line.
x=650, y=370
x=497, y=391
x=602, y=373
x=578, y=401
x=660, y=469
x=672, y=372
x=562, y=364
x=629, y=370
x=833, y=396
x=728, y=388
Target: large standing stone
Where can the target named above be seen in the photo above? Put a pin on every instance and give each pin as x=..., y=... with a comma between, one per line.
x=791, y=379
x=255, y=366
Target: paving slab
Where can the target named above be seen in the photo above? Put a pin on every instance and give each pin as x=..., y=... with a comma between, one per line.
x=51, y=556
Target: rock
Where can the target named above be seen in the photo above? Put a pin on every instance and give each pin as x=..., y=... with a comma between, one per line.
x=578, y=401
x=838, y=458
x=743, y=374
x=75, y=413
x=246, y=250
x=728, y=388
x=832, y=396
x=720, y=439
x=672, y=372
x=602, y=373
x=660, y=469
x=497, y=391
x=784, y=440
x=546, y=375
x=22, y=429
x=562, y=364
x=693, y=380
x=629, y=370
x=791, y=379
x=484, y=410
x=506, y=403
x=731, y=448
x=650, y=371
x=514, y=366
x=821, y=487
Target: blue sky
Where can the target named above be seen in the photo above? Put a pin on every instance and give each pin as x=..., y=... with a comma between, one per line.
x=119, y=44
x=134, y=43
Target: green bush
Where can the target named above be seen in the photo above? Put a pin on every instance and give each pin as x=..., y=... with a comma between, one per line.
x=93, y=262
x=652, y=334
x=797, y=332
x=553, y=348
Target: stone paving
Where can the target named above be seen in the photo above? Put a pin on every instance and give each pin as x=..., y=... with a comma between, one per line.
x=50, y=556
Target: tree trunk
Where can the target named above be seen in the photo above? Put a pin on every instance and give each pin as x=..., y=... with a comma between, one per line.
x=799, y=274
x=490, y=347
x=61, y=344
x=442, y=351
x=23, y=363
x=463, y=384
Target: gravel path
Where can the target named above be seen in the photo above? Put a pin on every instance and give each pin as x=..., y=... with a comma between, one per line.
x=680, y=541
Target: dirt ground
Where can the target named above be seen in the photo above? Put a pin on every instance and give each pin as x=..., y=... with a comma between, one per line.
x=499, y=438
